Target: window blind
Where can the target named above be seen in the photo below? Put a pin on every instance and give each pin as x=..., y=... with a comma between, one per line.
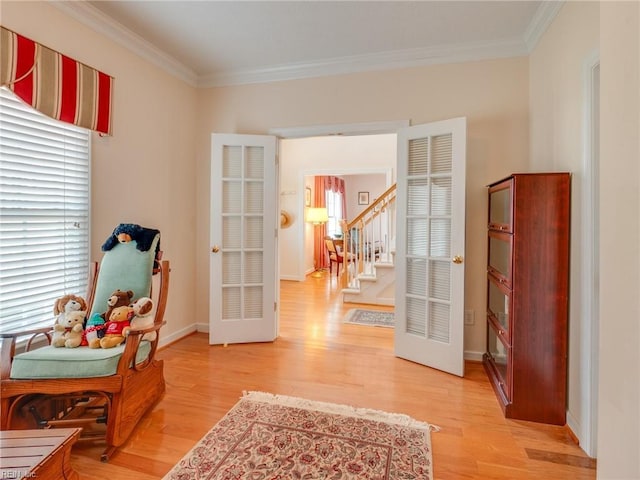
x=44, y=213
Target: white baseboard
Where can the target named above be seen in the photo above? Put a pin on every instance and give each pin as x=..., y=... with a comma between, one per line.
x=473, y=356
x=291, y=277
x=166, y=340
x=202, y=327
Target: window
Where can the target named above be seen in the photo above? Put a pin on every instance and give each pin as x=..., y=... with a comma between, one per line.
x=334, y=209
x=44, y=213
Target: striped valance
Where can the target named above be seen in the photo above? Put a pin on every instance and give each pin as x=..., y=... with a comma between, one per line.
x=55, y=84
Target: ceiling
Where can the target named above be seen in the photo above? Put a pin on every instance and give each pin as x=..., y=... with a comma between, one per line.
x=212, y=43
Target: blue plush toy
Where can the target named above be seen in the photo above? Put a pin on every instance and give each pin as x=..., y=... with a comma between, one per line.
x=125, y=232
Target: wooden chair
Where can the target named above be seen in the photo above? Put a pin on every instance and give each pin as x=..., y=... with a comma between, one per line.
x=335, y=255
x=107, y=391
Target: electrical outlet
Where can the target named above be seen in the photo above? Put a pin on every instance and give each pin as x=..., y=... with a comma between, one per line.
x=469, y=317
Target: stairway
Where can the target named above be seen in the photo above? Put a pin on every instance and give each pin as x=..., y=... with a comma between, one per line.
x=377, y=288
x=369, y=240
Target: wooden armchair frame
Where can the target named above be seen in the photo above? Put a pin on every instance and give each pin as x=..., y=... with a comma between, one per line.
x=122, y=398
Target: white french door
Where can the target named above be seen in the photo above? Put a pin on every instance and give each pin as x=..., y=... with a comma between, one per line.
x=244, y=202
x=430, y=245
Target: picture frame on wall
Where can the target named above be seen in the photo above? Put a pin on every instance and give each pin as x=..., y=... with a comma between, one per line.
x=307, y=197
x=363, y=198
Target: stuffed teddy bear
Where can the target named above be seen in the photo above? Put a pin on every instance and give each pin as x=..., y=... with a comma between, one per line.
x=94, y=329
x=68, y=303
x=119, y=298
x=69, y=311
x=68, y=331
x=143, y=318
x=117, y=327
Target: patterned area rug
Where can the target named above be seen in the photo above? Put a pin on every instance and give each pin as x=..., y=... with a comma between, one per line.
x=267, y=437
x=377, y=318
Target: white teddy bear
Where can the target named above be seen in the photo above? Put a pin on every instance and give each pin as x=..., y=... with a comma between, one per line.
x=68, y=330
x=70, y=311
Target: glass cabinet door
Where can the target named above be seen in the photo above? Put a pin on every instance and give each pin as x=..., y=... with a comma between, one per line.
x=500, y=356
x=498, y=304
x=500, y=257
x=500, y=206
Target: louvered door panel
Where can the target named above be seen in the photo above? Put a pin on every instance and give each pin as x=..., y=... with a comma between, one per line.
x=431, y=222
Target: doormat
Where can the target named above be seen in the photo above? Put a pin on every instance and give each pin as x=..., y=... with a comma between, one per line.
x=375, y=318
x=267, y=436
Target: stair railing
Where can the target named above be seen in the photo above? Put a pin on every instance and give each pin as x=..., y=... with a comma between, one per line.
x=369, y=239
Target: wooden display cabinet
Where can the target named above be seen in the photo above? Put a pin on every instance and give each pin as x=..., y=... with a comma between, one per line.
x=528, y=295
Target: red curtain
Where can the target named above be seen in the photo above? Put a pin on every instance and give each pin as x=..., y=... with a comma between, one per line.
x=322, y=184
x=55, y=84
x=320, y=255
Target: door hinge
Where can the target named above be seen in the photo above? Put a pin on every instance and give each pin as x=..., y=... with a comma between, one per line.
x=275, y=306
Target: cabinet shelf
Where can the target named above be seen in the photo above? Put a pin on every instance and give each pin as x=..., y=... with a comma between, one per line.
x=527, y=295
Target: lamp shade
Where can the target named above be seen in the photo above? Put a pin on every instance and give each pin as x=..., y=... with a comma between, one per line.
x=317, y=216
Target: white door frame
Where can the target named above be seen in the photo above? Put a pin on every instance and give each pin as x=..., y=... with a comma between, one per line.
x=591, y=258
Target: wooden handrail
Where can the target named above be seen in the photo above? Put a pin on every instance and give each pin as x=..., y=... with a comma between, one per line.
x=381, y=199
x=363, y=221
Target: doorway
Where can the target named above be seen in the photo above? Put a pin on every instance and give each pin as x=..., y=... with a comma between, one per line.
x=349, y=156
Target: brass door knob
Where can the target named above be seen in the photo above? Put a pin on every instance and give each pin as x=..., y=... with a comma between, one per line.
x=215, y=249
x=457, y=259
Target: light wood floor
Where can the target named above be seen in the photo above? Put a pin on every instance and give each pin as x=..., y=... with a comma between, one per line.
x=318, y=357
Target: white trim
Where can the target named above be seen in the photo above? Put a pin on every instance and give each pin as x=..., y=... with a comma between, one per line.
x=95, y=19
x=546, y=13
x=473, y=356
x=587, y=427
x=175, y=336
x=391, y=60
x=90, y=16
x=367, y=128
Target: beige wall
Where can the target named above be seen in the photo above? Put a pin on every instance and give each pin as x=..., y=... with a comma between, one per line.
x=558, y=109
x=145, y=172
x=619, y=398
x=493, y=95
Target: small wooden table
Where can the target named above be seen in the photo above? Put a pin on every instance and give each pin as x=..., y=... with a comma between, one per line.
x=37, y=453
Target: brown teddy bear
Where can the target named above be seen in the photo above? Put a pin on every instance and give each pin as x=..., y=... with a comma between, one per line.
x=117, y=327
x=119, y=298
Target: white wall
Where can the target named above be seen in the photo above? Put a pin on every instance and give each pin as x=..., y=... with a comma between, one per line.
x=558, y=108
x=144, y=173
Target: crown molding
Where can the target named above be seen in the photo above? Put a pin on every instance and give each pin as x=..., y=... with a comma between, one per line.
x=543, y=17
x=98, y=21
x=90, y=16
x=371, y=62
